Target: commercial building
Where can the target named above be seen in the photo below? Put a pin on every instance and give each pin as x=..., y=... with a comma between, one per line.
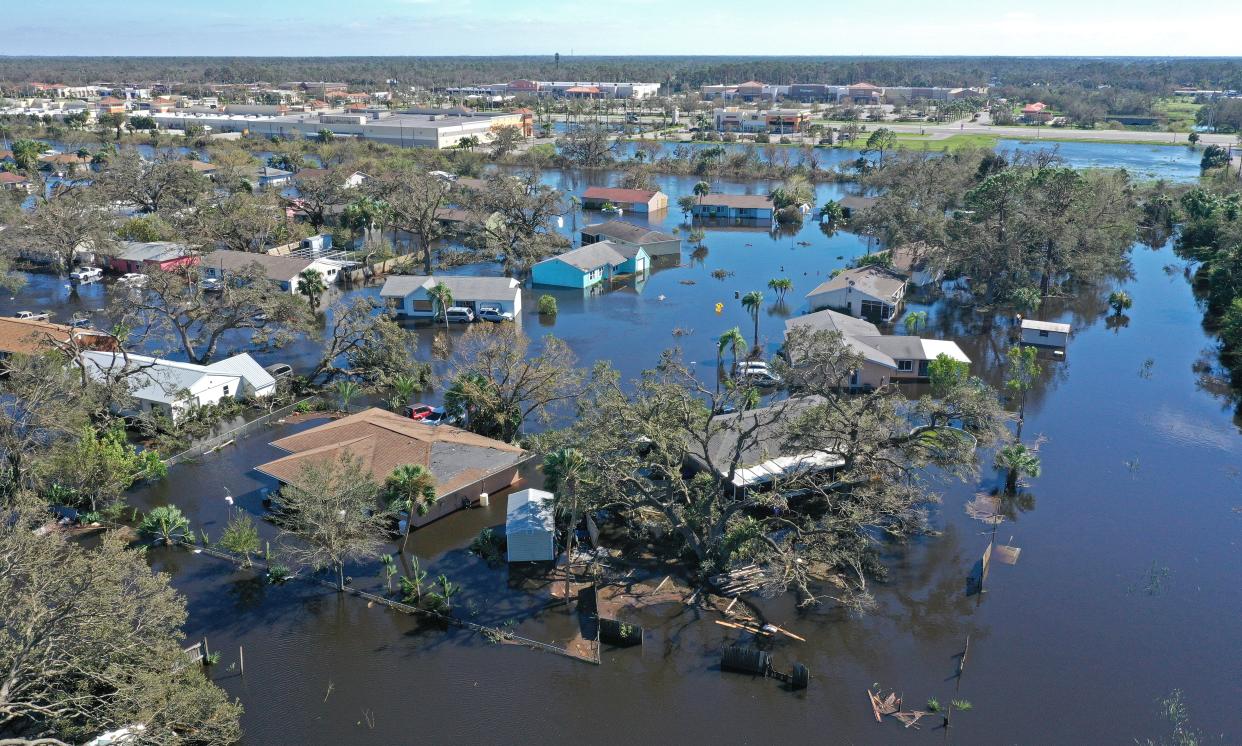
x=775, y=121
x=417, y=129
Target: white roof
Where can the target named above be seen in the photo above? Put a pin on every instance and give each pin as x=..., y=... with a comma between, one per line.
x=153, y=379
x=245, y=367
x=782, y=466
x=1045, y=326
x=530, y=511
x=934, y=348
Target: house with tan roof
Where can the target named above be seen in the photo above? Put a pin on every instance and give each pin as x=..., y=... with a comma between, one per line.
x=31, y=337
x=465, y=466
x=734, y=207
x=871, y=292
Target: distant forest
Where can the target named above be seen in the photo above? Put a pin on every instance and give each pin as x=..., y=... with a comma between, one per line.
x=682, y=74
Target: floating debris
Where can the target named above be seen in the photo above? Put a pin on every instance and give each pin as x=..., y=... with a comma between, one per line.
x=986, y=508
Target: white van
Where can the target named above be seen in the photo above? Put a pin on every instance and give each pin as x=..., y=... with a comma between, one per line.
x=459, y=314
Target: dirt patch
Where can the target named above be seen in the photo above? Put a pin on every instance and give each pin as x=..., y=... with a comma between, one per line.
x=298, y=417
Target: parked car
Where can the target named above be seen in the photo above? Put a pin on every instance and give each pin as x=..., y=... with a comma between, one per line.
x=494, y=314
x=83, y=275
x=133, y=280
x=279, y=370
x=756, y=372
x=459, y=314
x=422, y=411
x=211, y=284
x=32, y=316
x=80, y=320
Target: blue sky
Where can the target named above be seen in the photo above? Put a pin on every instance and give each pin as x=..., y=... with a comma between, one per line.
x=724, y=27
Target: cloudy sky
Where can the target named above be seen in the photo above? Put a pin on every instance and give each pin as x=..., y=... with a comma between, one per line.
x=723, y=27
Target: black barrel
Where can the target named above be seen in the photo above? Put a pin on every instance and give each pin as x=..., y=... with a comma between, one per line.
x=801, y=677
x=745, y=659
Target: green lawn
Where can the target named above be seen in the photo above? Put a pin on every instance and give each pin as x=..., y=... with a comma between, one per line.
x=1181, y=113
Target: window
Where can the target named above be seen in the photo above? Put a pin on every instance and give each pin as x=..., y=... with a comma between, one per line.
x=905, y=366
x=226, y=390
x=1043, y=332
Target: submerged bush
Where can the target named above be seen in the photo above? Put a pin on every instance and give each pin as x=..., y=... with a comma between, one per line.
x=547, y=305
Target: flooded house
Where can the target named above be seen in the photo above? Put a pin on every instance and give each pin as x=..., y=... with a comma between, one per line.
x=654, y=242
x=1045, y=333
x=283, y=271
x=135, y=256
x=734, y=207
x=631, y=200
x=34, y=336
x=412, y=293
x=887, y=358
x=172, y=388
x=467, y=467
x=872, y=292
x=590, y=265
x=530, y=527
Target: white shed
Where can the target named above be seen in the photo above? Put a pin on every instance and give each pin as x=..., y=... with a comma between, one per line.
x=530, y=528
x=1045, y=333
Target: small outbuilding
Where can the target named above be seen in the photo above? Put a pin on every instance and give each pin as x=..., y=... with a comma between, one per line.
x=1045, y=333
x=530, y=528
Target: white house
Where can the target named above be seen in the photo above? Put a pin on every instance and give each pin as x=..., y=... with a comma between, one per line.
x=475, y=293
x=173, y=388
x=283, y=271
x=530, y=530
x=1045, y=333
x=871, y=292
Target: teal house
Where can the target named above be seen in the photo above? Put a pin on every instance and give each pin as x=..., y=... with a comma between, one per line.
x=590, y=265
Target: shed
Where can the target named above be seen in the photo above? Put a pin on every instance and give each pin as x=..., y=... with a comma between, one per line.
x=1045, y=333
x=530, y=528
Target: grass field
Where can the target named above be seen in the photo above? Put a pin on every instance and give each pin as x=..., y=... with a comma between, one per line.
x=1181, y=113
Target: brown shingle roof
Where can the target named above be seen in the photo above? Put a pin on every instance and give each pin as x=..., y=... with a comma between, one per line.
x=29, y=337
x=382, y=441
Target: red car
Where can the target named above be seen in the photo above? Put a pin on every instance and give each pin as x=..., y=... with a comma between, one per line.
x=423, y=412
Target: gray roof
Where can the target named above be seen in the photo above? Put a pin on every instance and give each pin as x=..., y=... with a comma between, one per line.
x=896, y=346
x=277, y=267
x=596, y=255
x=857, y=202
x=463, y=287
x=872, y=280
x=247, y=368
x=530, y=511
x=149, y=378
x=152, y=251
x=270, y=172
x=628, y=232
x=834, y=322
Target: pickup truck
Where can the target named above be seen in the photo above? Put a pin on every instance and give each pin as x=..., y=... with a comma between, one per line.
x=32, y=316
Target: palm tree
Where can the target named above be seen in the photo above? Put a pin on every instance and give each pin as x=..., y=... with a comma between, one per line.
x=403, y=387
x=780, y=285
x=701, y=190
x=412, y=488
x=311, y=284
x=442, y=298
x=1120, y=300
x=731, y=339
x=1017, y=460
x=347, y=390
x=753, y=302
x=914, y=320
x=564, y=471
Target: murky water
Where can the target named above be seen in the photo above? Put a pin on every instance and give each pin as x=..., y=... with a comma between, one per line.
x=1126, y=586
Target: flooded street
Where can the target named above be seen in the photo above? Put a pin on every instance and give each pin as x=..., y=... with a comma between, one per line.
x=1126, y=587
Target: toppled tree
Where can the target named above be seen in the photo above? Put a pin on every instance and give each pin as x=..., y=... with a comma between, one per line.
x=61, y=604
x=862, y=468
x=172, y=311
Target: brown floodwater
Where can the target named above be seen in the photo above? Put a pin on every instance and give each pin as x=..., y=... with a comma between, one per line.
x=1127, y=586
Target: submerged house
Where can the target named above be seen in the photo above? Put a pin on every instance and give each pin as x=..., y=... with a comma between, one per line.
x=871, y=292
x=914, y=260
x=655, y=243
x=590, y=265
x=172, y=388
x=135, y=256
x=412, y=293
x=630, y=200
x=530, y=527
x=1045, y=333
x=282, y=270
x=734, y=207
x=887, y=358
x=32, y=337
x=467, y=467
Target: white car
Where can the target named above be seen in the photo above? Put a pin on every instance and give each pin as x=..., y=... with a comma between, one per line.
x=32, y=316
x=495, y=314
x=211, y=284
x=757, y=373
x=133, y=280
x=86, y=274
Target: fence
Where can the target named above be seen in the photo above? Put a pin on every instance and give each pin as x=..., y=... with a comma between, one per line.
x=215, y=441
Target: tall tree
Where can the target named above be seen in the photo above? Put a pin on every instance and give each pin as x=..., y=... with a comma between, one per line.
x=564, y=472
x=331, y=514
x=441, y=298
x=753, y=303
x=61, y=603
x=414, y=199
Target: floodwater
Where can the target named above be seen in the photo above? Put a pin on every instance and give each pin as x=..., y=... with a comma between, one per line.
x=1125, y=589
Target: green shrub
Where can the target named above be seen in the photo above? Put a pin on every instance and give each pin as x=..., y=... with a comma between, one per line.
x=547, y=305
x=165, y=524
